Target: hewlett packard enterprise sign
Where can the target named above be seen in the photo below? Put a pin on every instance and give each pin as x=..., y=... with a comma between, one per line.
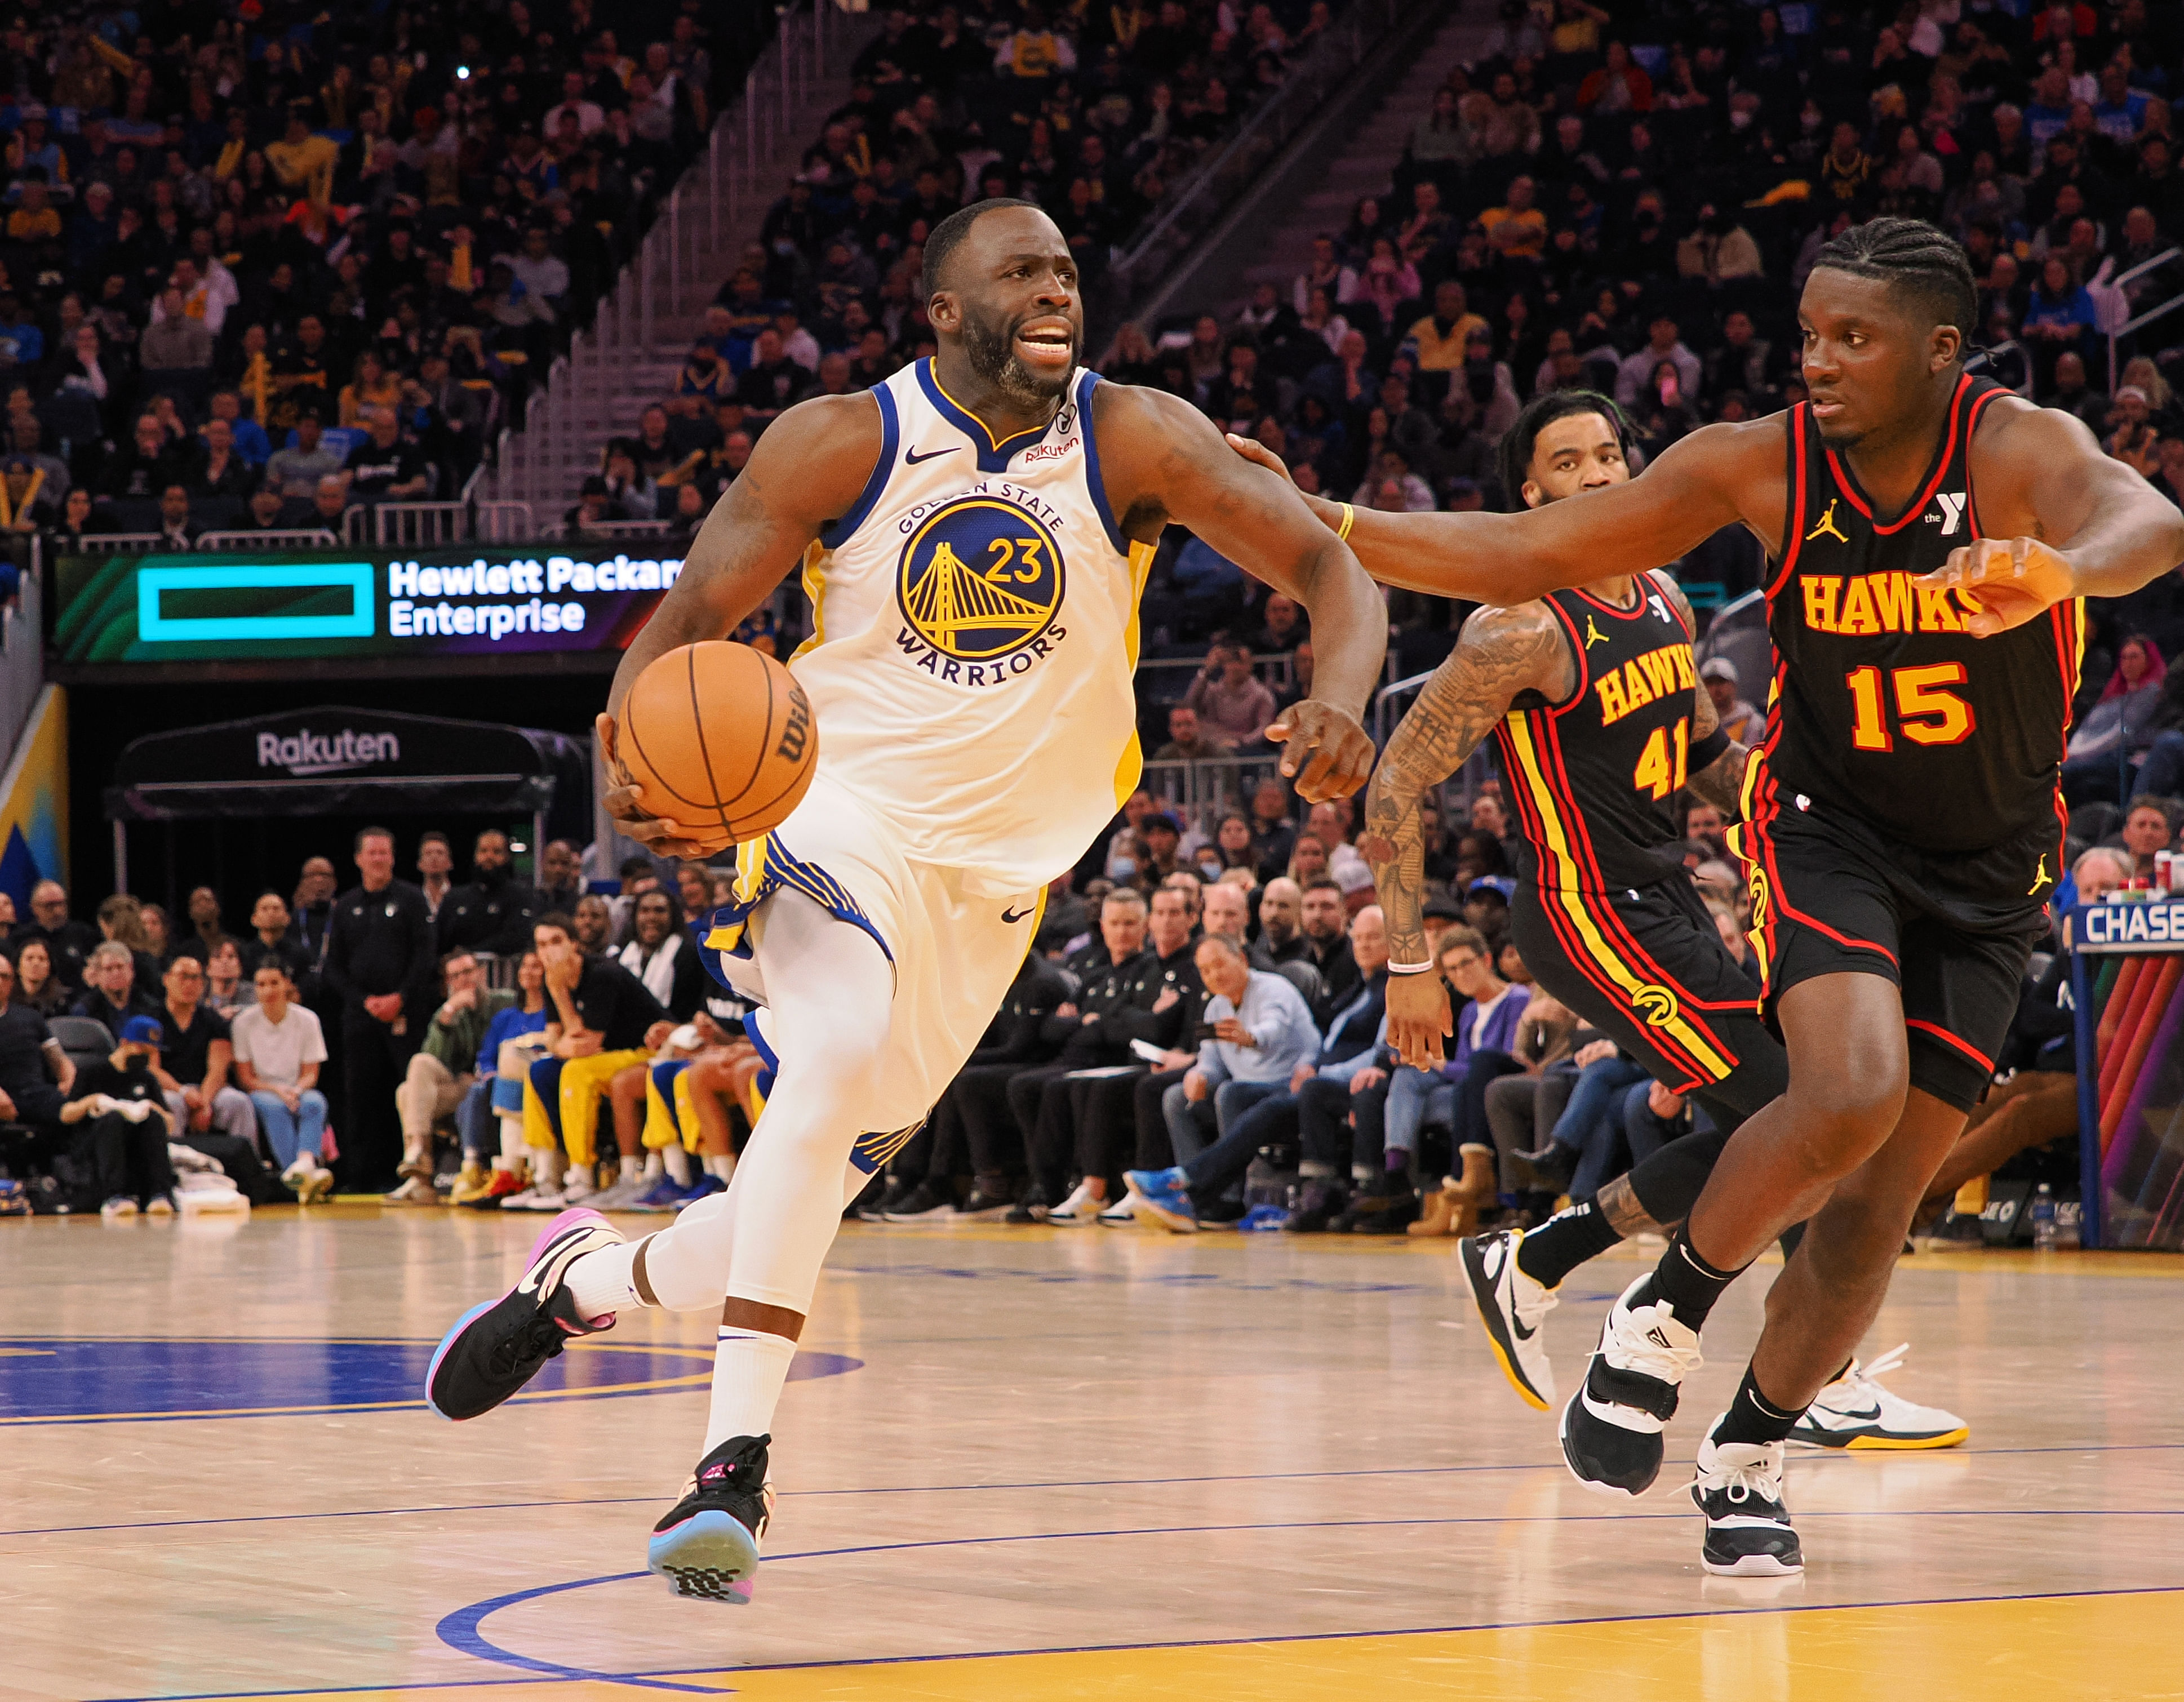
x=222, y=607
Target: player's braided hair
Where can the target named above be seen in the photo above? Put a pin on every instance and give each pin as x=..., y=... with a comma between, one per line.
x=1917, y=258
x=941, y=240
x=1513, y=454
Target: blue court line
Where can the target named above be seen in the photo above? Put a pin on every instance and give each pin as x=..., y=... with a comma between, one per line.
x=1814, y=1458
x=461, y=1630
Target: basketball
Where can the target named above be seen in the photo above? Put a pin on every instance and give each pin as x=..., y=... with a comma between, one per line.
x=719, y=738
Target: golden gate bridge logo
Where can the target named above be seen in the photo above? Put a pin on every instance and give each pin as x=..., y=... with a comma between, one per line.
x=980, y=579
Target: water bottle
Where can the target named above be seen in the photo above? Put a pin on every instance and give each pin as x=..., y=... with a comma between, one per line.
x=2044, y=1220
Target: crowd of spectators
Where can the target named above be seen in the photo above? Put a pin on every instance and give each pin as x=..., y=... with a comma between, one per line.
x=1091, y=110
x=261, y=263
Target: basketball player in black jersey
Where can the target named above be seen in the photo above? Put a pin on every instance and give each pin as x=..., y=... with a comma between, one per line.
x=1929, y=537
x=1600, y=721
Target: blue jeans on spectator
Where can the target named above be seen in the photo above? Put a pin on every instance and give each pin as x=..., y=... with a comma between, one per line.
x=1591, y=1124
x=476, y=1123
x=1415, y=1099
x=1647, y=1131
x=1251, y=1114
x=2162, y=772
x=1190, y=1128
x=289, y=1133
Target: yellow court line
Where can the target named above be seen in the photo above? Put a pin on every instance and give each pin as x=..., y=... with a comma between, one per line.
x=2060, y=1649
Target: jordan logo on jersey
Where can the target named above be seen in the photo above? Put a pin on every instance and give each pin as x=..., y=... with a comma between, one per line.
x=1593, y=635
x=980, y=584
x=1827, y=527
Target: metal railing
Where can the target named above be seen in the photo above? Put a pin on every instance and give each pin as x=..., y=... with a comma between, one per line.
x=119, y=544
x=2151, y=315
x=311, y=537
x=678, y=263
x=503, y=523
x=615, y=529
x=419, y=525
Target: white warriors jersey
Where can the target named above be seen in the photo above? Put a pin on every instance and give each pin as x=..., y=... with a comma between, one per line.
x=975, y=631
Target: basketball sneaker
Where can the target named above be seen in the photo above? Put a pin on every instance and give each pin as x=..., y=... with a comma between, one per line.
x=1081, y=1208
x=1611, y=1429
x=120, y=1205
x=498, y=1346
x=160, y=1204
x=707, y=1545
x=1739, y=1489
x=1164, y=1196
x=1123, y=1212
x=472, y=1186
x=925, y=1201
x=501, y=1187
x=1855, y=1411
x=1512, y=1305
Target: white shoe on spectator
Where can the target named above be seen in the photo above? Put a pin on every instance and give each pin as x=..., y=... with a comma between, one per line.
x=315, y=1183
x=539, y=1199
x=120, y=1206
x=1081, y=1208
x=622, y=1195
x=411, y=1190
x=298, y=1167
x=1124, y=1211
x=577, y=1186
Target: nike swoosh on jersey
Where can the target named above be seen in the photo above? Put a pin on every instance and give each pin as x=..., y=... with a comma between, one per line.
x=1012, y=917
x=911, y=458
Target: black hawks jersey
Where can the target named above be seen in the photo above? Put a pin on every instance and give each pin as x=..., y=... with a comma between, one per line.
x=1884, y=706
x=1593, y=776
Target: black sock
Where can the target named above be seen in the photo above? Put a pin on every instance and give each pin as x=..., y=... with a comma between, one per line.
x=1686, y=1281
x=1564, y=1241
x=1753, y=1418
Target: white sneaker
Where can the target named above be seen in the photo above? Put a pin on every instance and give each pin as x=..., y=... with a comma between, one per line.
x=1739, y=1489
x=542, y=1197
x=412, y=1190
x=1123, y=1211
x=1611, y=1428
x=159, y=1205
x=1081, y=1208
x=1855, y=1411
x=577, y=1185
x=120, y=1206
x=315, y=1184
x=620, y=1196
x=1513, y=1306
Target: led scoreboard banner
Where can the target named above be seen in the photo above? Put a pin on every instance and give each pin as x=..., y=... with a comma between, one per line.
x=467, y=602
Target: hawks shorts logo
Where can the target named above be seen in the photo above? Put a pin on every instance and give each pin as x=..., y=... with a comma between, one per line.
x=1656, y=1003
x=980, y=579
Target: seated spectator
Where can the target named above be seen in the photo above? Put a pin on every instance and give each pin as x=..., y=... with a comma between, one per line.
x=495, y=1102
x=1231, y=704
x=177, y=531
x=279, y=1047
x=2108, y=742
x=228, y=990
x=388, y=467
x=1261, y=1031
x=660, y=955
x=296, y=471
x=153, y=462
x=123, y=1125
x=196, y=1050
x=2149, y=825
x=36, y=1075
x=329, y=506
x=71, y=943
x=1739, y=719
x=221, y=471
x=110, y=991
x=37, y=987
x=438, y=1075
x=173, y=342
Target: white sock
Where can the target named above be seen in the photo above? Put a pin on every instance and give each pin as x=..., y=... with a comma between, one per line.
x=605, y=1281
x=515, y=1151
x=632, y=1166
x=723, y=1165
x=653, y=1166
x=749, y=1369
x=678, y=1162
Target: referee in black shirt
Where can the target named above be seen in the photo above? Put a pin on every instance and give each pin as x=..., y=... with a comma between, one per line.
x=380, y=964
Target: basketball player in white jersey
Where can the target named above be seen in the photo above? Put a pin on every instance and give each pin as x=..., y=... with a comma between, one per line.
x=974, y=534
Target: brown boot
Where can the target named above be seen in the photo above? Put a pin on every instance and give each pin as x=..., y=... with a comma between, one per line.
x=1471, y=1193
x=1443, y=1207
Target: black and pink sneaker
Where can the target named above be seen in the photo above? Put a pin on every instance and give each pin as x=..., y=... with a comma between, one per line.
x=498, y=1346
x=707, y=1547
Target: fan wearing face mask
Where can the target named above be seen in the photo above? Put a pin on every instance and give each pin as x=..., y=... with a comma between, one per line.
x=122, y=1126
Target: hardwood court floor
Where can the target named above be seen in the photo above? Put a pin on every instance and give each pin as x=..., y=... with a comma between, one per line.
x=1034, y=1464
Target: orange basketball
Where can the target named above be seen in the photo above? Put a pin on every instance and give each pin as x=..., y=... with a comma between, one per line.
x=718, y=738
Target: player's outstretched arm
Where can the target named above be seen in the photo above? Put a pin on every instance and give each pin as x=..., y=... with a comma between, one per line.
x=1163, y=461
x=1719, y=780
x=810, y=468
x=1711, y=479
x=1501, y=652
x=2067, y=520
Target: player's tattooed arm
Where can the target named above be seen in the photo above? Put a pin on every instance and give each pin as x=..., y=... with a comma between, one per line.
x=1500, y=654
x=1721, y=782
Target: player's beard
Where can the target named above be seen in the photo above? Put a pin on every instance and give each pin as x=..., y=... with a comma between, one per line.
x=992, y=352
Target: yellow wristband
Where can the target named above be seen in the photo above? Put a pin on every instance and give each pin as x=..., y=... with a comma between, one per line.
x=1349, y=519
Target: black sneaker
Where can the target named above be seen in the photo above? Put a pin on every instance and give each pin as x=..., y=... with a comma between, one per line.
x=1392, y=1218
x=898, y=1190
x=1611, y=1429
x=707, y=1545
x=1318, y=1202
x=924, y=1201
x=983, y=1208
x=496, y=1347
x=1739, y=1489
x=1032, y=1207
